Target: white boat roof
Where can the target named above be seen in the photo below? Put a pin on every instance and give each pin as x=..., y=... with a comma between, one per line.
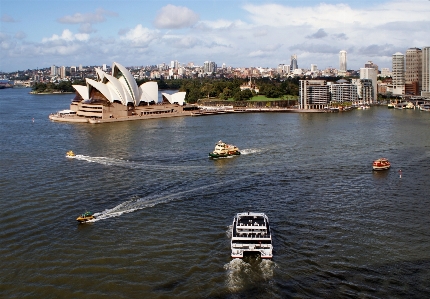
x=66, y=111
x=250, y=214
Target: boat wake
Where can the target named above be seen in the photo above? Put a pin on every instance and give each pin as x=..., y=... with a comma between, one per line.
x=150, y=201
x=241, y=274
x=129, y=164
x=249, y=151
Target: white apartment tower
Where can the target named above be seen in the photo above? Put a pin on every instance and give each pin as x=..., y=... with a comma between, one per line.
x=342, y=62
x=398, y=73
x=53, y=70
x=425, y=91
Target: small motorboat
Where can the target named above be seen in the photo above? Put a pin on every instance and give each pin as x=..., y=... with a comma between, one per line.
x=85, y=217
x=381, y=164
x=223, y=150
x=70, y=154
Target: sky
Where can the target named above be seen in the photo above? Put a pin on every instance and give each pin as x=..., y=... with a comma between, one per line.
x=40, y=33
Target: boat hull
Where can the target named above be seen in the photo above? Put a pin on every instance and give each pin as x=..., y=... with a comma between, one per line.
x=216, y=155
x=381, y=164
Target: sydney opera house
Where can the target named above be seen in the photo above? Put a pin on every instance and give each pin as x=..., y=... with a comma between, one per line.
x=117, y=97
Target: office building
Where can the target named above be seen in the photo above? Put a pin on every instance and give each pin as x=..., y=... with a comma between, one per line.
x=425, y=91
x=342, y=63
x=413, y=71
x=293, y=64
x=53, y=70
x=209, y=67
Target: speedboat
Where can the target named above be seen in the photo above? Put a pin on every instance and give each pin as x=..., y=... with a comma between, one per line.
x=251, y=233
x=381, y=164
x=85, y=217
x=70, y=154
x=223, y=150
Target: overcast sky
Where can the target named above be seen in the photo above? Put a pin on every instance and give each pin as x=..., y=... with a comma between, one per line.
x=38, y=34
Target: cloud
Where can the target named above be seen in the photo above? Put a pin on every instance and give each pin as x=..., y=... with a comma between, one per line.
x=98, y=16
x=86, y=28
x=67, y=36
x=259, y=32
x=20, y=35
x=341, y=36
x=7, y=19
x=319, y=34
x=175, y=17
x=187, y=42
x=140, y=36
x=378, y=50
x=315, y=48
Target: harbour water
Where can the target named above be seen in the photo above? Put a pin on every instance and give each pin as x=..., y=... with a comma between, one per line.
x=164, y=209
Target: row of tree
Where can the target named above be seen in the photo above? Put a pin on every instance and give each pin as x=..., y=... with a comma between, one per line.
x=198, y=88
x=63, y=86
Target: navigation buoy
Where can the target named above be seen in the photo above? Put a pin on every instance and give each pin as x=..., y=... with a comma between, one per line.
x=400, y=173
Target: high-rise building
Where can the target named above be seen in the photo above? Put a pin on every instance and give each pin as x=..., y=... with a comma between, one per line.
x=209, y=67
x=53, y=70
x=314, y=68
x=342, y=62
x=63, y=72
x=398, y=74
x=413, y=71
x=294, y=65
x=425, y=91
x=385, y=72
x=371, y=65
x=174, y=64
x=372, y=75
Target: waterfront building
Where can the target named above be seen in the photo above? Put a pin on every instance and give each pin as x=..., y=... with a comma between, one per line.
x=342, y=91
x=372, y=75
x=425, y=92
x=313, y=94
x=293, y=64
x=118, y=97
x=397, y=86
x=342, y=63
x=413, y=71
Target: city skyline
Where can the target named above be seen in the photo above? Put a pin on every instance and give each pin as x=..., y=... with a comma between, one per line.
x=37, y=34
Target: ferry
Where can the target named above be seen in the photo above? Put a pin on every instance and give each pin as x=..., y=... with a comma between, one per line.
x=251, y=233
x=223, y=150
x=70, y=154
x=85, y=217
x=381, y=164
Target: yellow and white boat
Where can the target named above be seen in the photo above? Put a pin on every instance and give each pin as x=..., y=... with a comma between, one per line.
x=85, y=217
x=70, y=154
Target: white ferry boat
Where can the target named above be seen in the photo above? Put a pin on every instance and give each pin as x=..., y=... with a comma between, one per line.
x=251, y=233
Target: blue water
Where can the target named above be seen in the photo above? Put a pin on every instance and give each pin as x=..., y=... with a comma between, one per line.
x=164, y=209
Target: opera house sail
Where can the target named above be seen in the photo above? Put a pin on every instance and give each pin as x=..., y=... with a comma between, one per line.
x=117, y=97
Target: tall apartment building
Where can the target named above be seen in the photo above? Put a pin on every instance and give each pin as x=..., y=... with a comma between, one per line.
x=53, y=70
x=413, y=71
x=209, y=67
x=294, y=65
x=343, y=92
x=313, y=94
x=314, y=68
x=372, y=75
x=342, y=63
x=425, y=91
x=398, y=74
x=62, y=72
x=364, y=90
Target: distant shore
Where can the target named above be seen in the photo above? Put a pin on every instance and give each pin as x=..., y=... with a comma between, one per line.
x=51, y=92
